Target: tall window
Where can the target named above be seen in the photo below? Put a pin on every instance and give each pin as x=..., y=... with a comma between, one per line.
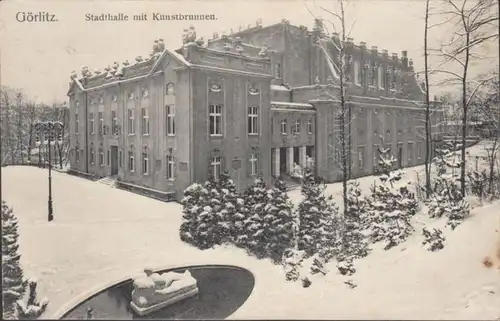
x=297, y=127
x=357, y=79
x=170, y=167
x=131, y=122
x=145, y=164
x=101, y=123
x=283, y=126
x=92, y=156
x=253, y=120
x=114, y=122
x=215, y=115
x=410, y=152
x=309, y=126
x=145, y=121
x=170, y=120
x=101, y=157
x=381, y=79
x=361, y=158
x=77, y=154
x=77, y=123
x=253, y=164
x=216, y=166
x=278, y=70
x=108, y=157
x=120, y=158
x=131, y=162
x=92, y=124
x=376, y=156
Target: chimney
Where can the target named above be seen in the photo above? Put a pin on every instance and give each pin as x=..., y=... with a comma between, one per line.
x=362, y=44
x=404, y=58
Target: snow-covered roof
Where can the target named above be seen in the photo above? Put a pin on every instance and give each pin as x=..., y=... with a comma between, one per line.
x=279, y=88
x=287, y=106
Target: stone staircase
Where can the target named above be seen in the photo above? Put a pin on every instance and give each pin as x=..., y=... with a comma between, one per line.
x=291, y=183
x=109, y=180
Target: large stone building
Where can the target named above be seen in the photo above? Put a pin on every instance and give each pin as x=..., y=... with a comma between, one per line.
x=254, y=102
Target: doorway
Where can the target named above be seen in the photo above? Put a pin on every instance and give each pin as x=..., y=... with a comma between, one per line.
x=282, y=160
x=114, y=160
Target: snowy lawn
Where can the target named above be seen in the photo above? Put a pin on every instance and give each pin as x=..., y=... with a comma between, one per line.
x=101, y=235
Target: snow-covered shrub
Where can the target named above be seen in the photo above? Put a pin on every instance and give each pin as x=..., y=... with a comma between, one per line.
x=278, y=221
x=390, y=207
x=13, y=285
x=193, y=202
x=255, y=201
x=292, y=263
x=33, y=308
x=317, y=215
x=345, y=264
x=478, y=182
x=353, y=242
x=434, y=241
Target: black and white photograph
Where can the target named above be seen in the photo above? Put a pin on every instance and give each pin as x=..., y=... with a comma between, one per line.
x=252, y=160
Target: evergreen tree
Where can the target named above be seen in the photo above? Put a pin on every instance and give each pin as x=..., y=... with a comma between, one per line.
x=317, y=214
x=193, y=202
x=278, y=221
x=14, y=285
x=229, y=206
x=390, y=221
x=447, y=199
x=354, y=243
x=255, y=203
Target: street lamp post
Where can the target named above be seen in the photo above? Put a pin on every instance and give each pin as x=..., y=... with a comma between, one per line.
x=49, y=128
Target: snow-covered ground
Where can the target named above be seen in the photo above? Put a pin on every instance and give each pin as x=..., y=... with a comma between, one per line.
x=101, y=234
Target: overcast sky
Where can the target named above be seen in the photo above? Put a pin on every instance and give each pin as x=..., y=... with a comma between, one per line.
x=39, y=57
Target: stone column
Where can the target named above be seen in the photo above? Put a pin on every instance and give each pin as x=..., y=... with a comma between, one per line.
x=302, y=156
x=289, y=160
x=277, y=162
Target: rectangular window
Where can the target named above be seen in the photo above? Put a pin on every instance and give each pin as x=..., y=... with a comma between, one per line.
x=253, y=120
x=131, y=122
x=309, y=126
x=297, y=127
x=376, y=156
x=356, y=73
x=92, y=124
x=92, y=156
x=170, y=167
x=77, y=123
x=215, y=115
x=216, y=167
x=101, y=123
x=253, y=164
x=114, y=122
x=381, y=79
x=101, y=157
x=131, y=162
x=170, y=120
x=283, y=126
x=145, y=121
x=420, y=150
x=77, y=155
x=108, y=157
x=120, y=159
x=278, y=70
x=410, y=152
x=145, y=164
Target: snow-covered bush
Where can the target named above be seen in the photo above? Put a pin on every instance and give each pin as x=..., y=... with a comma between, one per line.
x=33, y=308
x=434, y=241
x=390, y=207
x=13, y=285
x=317, y=214
x=353, y=242
x=193, y=202
x=292, y=263
x=345, y=264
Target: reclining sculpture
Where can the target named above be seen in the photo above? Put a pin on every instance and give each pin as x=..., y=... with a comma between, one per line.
x=156, y=291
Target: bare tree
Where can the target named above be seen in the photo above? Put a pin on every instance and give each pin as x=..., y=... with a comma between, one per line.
x=428, y=134
x=476, y=25
x=31, y=117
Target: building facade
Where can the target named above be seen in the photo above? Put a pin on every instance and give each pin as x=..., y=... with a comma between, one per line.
x=257, y=102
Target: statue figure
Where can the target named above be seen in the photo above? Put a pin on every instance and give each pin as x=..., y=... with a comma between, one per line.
x=191, y=36
x=85, y=71
x=74, y=75
x=184, y=36
x=155, y=291
x=161, y=45
x=115, y=65
x=126, y=63
x=227, y=46
x=263, y=51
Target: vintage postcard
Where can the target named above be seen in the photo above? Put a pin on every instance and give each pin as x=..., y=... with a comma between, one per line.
x=218, y=159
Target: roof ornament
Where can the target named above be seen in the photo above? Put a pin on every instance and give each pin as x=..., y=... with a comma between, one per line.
x=191, y=35
x=264, y=51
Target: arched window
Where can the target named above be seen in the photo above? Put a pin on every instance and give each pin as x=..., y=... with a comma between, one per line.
x=170, y=90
